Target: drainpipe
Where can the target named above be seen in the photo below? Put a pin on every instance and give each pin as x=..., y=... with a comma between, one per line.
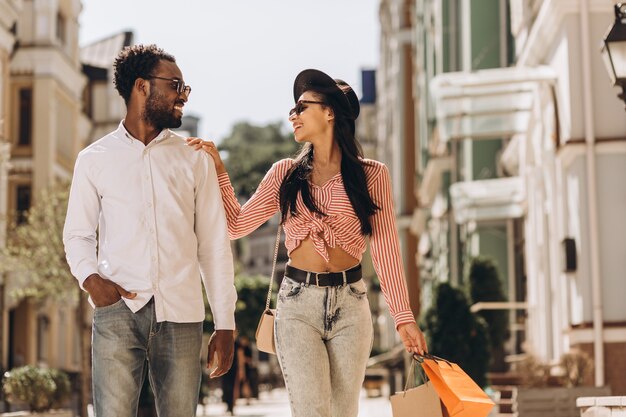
x=596, y=284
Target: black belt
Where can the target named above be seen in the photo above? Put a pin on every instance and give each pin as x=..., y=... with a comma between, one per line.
x=324, y=279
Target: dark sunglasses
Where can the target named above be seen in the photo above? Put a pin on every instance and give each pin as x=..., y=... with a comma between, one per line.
x=178, y=85
x=300, y=106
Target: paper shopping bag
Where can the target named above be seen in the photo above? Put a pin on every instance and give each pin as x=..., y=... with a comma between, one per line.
x=421, y=401
x=458, y=392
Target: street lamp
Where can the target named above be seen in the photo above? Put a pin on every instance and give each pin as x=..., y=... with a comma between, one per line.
x=614, y=50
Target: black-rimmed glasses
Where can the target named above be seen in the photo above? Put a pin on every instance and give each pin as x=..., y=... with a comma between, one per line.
x=178, y=85
x=300, y=106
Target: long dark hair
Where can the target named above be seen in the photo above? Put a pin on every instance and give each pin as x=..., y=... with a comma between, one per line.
x=352, y=171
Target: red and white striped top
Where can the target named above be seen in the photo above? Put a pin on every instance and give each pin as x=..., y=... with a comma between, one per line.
x=340, y=227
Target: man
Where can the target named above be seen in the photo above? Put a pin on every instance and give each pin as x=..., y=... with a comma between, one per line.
x=155, y=204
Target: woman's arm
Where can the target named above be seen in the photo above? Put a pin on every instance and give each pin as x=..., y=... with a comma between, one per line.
x=264, y=203
x=387, y=260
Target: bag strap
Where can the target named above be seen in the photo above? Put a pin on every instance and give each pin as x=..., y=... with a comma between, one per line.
x=269, y=290
x=420, y=358
x=415, y=362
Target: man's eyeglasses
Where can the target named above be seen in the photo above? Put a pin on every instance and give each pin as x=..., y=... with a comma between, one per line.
x=300, y=106
x=178, y=85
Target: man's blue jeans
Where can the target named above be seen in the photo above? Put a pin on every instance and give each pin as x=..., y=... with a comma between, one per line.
x=126, y=345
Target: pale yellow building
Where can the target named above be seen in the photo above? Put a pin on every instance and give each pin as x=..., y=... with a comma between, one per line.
x=9, y=11
x=45, y=126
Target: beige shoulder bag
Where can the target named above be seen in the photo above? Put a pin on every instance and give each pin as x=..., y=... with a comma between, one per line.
x=265, y=329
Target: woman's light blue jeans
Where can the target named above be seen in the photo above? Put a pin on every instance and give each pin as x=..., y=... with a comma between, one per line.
x=323, y=341
x=126, y=345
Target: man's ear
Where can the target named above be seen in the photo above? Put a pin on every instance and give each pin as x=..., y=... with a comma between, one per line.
x=142, y=86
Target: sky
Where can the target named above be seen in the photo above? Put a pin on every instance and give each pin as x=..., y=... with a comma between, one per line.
x=241, y=56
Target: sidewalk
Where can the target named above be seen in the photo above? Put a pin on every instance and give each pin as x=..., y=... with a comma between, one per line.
x=276, y=404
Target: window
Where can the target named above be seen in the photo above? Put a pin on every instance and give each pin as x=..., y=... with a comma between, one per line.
x=43, y=324
x=61, y=35
x=25, y=117
x=61, y=336
x=22, y=202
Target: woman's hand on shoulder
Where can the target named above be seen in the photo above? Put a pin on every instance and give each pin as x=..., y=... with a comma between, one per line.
x=413, y=338
x=210, y=148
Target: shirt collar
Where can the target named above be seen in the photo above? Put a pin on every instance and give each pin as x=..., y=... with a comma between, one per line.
x=124, y=133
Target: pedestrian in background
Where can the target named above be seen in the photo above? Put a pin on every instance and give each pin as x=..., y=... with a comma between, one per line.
x=249, y=386
x=233, y=380
x=136, y=244
x=331, y=199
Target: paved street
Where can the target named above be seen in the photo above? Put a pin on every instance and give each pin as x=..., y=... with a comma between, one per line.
x=275, y=404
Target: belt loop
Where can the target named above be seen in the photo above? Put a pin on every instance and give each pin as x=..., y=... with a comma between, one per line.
x=345, y=278
x=308, y=277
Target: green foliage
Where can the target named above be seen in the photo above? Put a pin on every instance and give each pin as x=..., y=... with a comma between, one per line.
x=34, y=250
x=454, y=333
x=251, y=152
x=40, y=388
x=485, y=286
x=251, y=298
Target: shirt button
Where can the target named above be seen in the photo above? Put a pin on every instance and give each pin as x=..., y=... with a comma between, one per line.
x=149, y=204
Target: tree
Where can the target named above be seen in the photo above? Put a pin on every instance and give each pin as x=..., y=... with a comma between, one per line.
x=485, y=286
x=251, y=151
x=35, y=254
x=251, y=298
x=454, y=333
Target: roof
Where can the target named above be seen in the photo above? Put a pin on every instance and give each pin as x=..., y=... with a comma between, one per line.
x=100, y=54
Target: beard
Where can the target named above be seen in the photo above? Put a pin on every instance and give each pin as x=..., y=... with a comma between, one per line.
x=159, y=113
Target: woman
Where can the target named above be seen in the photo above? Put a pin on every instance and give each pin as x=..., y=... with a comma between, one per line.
x=331, y=199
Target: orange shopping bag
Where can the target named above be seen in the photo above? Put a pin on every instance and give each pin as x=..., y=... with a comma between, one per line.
x=458, y=392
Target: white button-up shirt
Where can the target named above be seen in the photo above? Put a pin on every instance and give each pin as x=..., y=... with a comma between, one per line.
x=161, y=224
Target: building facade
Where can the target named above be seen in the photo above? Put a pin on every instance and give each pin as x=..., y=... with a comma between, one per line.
x=102, y=103
x=45, y=127
x=9, y=12
x=520, y=150
x=571, y=166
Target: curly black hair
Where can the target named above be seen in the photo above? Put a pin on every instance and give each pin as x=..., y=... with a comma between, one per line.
x=137, y=61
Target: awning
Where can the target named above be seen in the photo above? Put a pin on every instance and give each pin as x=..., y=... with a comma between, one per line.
x=486, y=104
x=494, y=199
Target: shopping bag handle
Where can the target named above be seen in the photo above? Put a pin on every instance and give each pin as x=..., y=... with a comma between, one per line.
x=414, y=364
x=420, y=358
